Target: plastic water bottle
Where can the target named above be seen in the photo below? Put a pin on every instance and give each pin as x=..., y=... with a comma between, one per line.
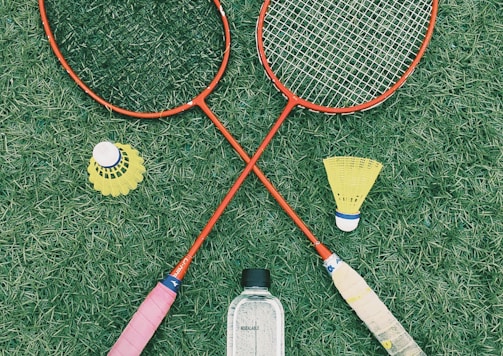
x=255, y=320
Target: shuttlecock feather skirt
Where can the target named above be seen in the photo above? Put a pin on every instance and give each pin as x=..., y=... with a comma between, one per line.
x=350, y=179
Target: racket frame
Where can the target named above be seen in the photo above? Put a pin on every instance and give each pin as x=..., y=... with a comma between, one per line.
x=198, y=100
x=338, y=110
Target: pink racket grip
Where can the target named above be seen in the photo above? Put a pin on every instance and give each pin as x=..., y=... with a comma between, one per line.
x=147, y=318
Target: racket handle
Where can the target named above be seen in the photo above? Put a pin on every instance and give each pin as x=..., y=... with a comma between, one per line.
x=372, y=311
x=145, y=322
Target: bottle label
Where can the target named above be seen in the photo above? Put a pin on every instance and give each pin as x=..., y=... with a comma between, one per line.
x=332, y=263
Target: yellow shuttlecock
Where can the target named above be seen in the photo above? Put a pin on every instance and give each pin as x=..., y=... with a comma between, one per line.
x=351, y=179
x=115, y=169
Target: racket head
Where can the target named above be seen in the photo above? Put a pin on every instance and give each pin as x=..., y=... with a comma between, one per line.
x=77, y=50
x=339, y=57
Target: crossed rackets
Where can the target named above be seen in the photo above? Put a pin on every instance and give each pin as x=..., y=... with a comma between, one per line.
x=331, y=57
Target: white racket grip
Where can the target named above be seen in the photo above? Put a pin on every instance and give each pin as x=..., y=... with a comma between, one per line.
x=145, y=322
x=372, y=311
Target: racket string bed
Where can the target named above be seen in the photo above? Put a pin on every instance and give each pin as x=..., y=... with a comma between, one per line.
x=312, y=37
x=121, y=60
x=324, y=56
x=340, y=54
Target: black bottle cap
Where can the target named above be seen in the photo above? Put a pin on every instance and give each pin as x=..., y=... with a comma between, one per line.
x=256, y=277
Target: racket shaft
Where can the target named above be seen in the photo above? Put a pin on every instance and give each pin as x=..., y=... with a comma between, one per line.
x=367, y=305
x=323, y=251
x=144, y=323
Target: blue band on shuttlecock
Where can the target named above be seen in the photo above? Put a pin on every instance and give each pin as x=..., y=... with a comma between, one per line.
x=172, y=283
x=347, y=216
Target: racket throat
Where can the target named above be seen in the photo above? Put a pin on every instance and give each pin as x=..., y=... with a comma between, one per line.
x=181, y=268
x=322, y=250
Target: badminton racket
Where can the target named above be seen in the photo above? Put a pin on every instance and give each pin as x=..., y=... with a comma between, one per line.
x=294, y=100
x=341, y=57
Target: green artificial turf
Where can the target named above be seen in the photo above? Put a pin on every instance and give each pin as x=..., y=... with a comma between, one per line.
x=75, y=265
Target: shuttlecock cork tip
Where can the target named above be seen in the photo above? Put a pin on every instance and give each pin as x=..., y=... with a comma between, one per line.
x=106, y=154
x=347, y=222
